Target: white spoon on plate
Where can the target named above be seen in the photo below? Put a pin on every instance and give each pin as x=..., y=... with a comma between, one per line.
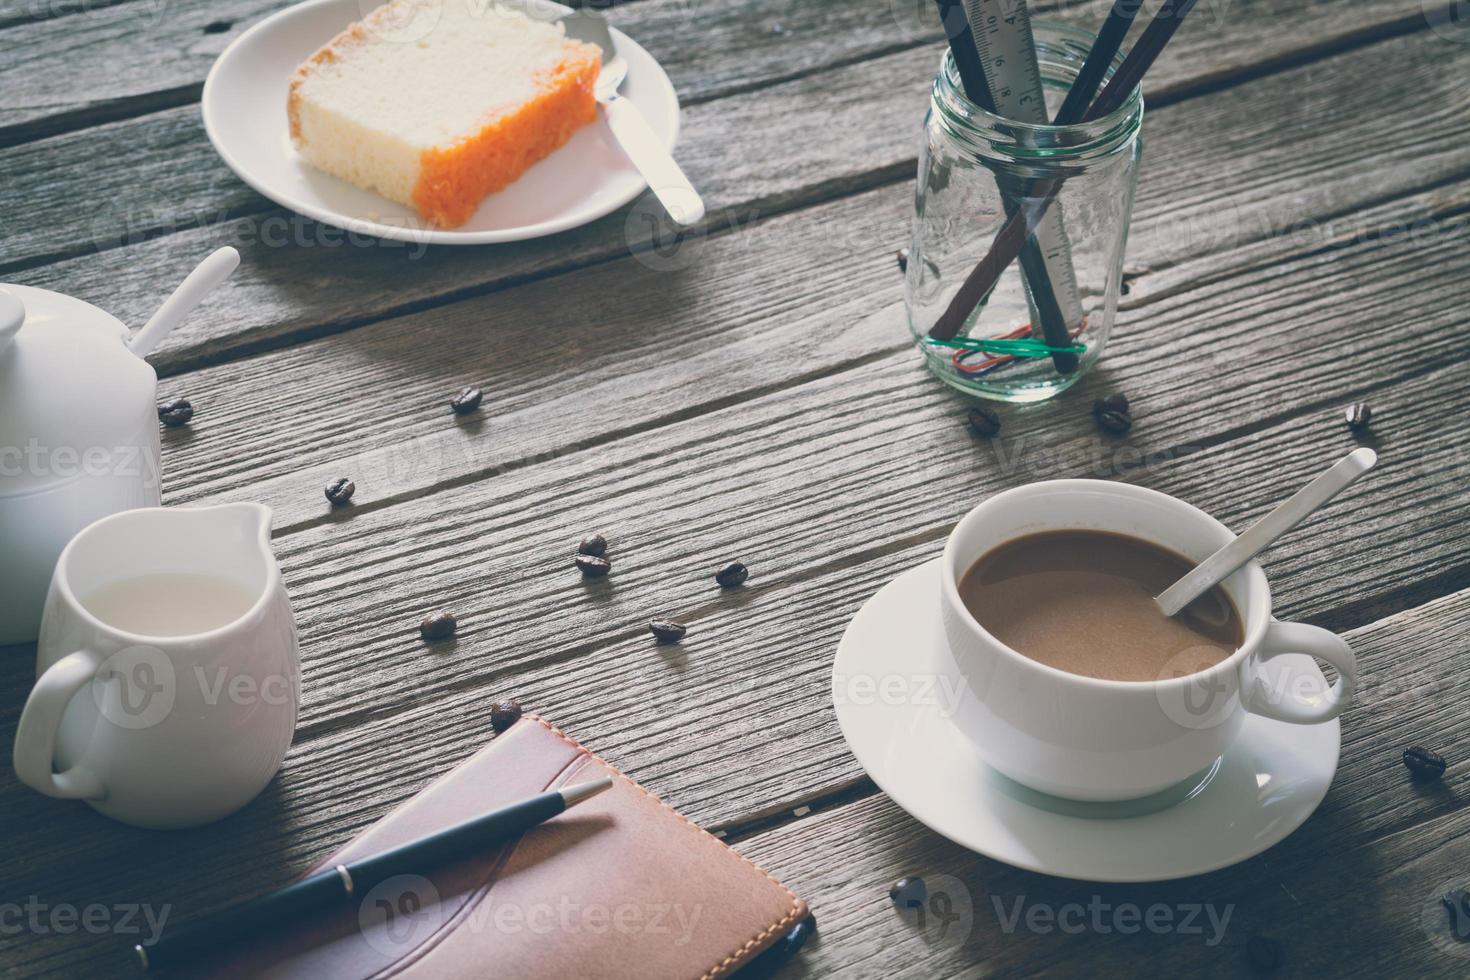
x=1262, y=534
x=642, y=145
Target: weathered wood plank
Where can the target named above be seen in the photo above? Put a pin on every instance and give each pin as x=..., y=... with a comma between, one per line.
x=286, y=292
x=124, y=60
x=380, y=416
x=15, y=13
x=65, y=73
x=777, y=716
x=889, y=417
x=1336, y=904
x=531, y=629
x=684, y=498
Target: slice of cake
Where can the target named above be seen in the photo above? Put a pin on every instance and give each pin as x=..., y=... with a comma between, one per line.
x=438, y=103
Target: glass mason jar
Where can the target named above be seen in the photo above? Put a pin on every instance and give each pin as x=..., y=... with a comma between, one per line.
x=1047, y=318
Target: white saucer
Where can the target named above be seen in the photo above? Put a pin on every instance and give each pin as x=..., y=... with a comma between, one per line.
x=1266, y=786
x=244, y=105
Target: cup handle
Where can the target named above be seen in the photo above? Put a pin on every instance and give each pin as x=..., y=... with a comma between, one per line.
x=1285, y=705
x=35, y=739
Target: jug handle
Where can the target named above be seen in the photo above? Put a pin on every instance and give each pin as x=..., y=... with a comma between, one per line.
x=35, y=739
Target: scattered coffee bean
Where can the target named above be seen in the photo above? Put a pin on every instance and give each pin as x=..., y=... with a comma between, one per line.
x=667, y=631
x=903, y=260
x=593, y=544
x=340, y=491
x=732, y=576
x=799, y=934
x=1457, y=901
x=593, y=566
x=1423, y=763
x=439, y=626
x=1111, y=412
x=1263, y=953
x=1359, y=416
x=983, y=421
x=175, y=412
x=503, y=714
x=909, y=893
x=466, y=401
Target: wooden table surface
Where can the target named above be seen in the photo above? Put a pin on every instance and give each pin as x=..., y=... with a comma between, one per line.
x=1299, y=242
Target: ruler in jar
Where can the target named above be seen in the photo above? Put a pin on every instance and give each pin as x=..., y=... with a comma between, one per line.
x=1002, y=34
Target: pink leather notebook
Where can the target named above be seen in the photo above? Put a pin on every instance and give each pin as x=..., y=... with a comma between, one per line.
x=621, y=886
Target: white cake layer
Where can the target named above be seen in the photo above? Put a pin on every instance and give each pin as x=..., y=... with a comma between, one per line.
x=414, y=75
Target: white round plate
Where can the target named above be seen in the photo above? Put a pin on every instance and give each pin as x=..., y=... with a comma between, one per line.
x=1266, y=786
x=244, y=105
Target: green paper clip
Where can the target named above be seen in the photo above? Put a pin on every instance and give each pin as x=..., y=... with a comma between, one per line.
x=1020, y=347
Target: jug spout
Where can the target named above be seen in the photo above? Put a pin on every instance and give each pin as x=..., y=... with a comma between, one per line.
x=253, y=520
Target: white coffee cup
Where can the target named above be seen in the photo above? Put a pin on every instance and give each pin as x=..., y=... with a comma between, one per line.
x=172, y=729
x=1090, y=739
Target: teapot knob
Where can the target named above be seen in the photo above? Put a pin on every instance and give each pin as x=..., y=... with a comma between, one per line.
x=12, y=315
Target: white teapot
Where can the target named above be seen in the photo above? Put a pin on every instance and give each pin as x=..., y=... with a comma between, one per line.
x=78, y=427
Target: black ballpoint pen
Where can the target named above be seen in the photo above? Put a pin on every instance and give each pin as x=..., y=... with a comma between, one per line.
x=285, y=908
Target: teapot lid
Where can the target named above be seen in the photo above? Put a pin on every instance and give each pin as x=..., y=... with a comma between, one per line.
x=69, y=386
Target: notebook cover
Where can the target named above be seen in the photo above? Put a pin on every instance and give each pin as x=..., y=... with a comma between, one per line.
x=621, y=886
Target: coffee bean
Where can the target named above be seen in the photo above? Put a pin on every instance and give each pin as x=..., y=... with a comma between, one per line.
x=340, y=491
x=909, y=893
x=592, y=566
x=799, y=934
x=983, y=421
x=593, y=544
x=466, y=401
x=1115, y=402
x=732, y=576
x=1116, y=422
x=503, y=714
x=1423, y=763
x=903, y=260
x=1359, y=416
x=1263, y=953
x=438, y=626
x=175, y=412
x=667, y=631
